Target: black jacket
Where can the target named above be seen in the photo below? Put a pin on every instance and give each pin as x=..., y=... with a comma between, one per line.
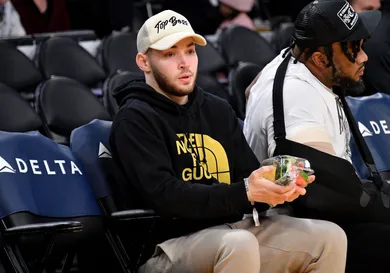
x=186, y=161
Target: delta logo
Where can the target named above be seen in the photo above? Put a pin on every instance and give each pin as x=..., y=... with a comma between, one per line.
x=39, y=167
x=376, y=128
x=103, y=151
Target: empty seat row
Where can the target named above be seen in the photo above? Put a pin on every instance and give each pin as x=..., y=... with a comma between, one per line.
x=57, y=56
x=62, y=104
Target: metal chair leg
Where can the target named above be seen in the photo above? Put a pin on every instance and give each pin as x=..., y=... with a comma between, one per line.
x=68, y=262
x=42, y=265
x=14, y=260
x=119, y=251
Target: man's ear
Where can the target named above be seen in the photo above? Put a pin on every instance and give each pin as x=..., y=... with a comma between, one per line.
x=142, y=62
x=320, y=60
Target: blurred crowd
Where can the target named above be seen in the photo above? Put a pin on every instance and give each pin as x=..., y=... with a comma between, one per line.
x=20, y=17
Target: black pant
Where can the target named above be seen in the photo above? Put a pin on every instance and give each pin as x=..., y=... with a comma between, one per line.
x=368, y=247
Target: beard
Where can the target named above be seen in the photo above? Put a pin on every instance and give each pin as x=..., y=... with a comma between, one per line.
x=170, y=88
x=351, y=86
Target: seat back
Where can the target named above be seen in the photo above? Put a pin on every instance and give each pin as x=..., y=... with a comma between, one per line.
x=210, y=59
x=118, y=51
x=16, y=113
x=240, y=44
x=42, y=185
x=115, y=80
x=372, y=113
x=210, y=62
x=282, y=37
x=43, y=178
x=210, y=85
x=240, y=79
x=90, y=143
x=63, y=56
x=65, y=104
x=17, y=70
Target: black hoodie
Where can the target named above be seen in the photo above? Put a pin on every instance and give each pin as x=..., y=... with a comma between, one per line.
x=186, y=161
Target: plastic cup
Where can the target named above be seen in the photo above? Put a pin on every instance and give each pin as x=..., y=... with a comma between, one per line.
x=288, y=169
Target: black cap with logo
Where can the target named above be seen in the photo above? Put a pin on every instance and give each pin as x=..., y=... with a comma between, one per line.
x=323, y=22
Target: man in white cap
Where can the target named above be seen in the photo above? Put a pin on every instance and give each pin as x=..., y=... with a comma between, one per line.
x=181, y=152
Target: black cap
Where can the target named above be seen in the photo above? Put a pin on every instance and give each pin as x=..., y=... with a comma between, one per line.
x=323, y=22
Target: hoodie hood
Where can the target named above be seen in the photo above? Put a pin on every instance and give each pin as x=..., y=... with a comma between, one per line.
x=139, y=89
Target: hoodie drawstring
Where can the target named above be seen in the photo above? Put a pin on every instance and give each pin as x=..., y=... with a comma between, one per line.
x=186, y=134
x=204, y=160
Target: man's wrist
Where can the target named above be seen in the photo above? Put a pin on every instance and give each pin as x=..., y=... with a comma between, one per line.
x=246, y=183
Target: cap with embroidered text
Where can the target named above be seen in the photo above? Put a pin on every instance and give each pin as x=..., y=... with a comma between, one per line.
x=323, y=22
x=164, y=30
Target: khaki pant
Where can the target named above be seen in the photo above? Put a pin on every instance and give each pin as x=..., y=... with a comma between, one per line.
x=280, y=244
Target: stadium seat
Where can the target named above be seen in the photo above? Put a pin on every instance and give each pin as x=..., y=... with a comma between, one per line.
x=240, y=44
x=16, y=113
x=115, y=80
x=282, y=37
x=240, y=78
x=47, y=209
x=63, y=56
x=210, y=59
x=90, y=144
x=210, y=62
x=118, y=51
x=210, y=84
x=65, y=104
x=372, y=113
x=18, y=71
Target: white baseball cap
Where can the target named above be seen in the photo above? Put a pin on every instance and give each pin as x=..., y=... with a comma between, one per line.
x=164, y=30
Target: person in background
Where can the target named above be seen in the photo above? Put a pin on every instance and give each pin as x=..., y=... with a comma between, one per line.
x=40, y=16
x=10, y=25
x=101, y=16
x=364, y=5
x=235, y=12
x=286, y=7
x=203, y=14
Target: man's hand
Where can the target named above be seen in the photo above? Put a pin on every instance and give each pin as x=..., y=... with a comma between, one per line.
x=265, y=191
